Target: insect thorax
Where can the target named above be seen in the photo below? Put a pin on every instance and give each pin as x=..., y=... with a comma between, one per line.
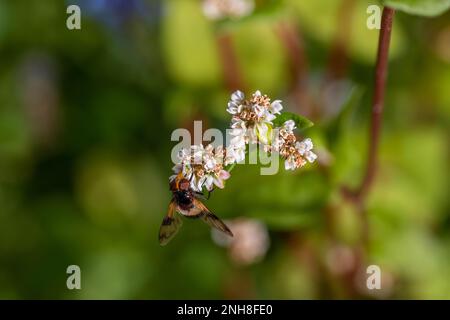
x=184, y=199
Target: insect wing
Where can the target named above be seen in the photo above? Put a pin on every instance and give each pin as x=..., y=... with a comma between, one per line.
x=210, y=218
x=170, y=225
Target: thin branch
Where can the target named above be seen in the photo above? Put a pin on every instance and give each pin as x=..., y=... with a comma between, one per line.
x=378, y=98
x=381, y=69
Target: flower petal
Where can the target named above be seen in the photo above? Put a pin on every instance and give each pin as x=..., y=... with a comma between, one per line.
x=310, y=156
x=308, y=144
x=276, y=106
x=289, y=125
x=237, y=96
x=219, y=183
x=224, y=174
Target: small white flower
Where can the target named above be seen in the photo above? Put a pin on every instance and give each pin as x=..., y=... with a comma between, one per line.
x=219, y=178
x=269, y=117
x=233, y=108
x=304, y=148
x=289, y=163
x=277, y=143
x=235, y=153
x=237, y=96
x=310, y=156
x=305, y=145
x=259, y=110
x=276, y=107
x=289, y=125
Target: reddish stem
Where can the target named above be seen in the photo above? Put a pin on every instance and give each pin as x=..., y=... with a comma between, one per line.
x=358, y=196
x=378, y=98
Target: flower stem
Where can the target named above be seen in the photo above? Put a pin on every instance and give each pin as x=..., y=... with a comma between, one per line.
x=358, y=196
x=378, y=98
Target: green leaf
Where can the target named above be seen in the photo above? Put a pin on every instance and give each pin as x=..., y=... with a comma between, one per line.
x=301, y=122
x=362, y=42
x=200, y=65
x=429, y=8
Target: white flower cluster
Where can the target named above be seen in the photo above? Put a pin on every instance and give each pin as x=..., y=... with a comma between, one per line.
x=294, y=152
x=203, y=166
x=220, y=9
x=252, y=123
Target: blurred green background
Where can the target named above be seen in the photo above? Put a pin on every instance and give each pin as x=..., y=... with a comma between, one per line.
x=85, y=123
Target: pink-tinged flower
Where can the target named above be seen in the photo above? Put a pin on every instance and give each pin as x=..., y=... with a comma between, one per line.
x=250, y=241
x=203, y=166
x=221, y=9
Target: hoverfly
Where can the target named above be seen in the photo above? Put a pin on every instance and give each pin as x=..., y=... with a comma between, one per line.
x=185, y=201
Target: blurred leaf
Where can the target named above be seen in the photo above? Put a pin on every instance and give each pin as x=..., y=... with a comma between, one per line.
x=261, y=57
x=320, y=19
x=342, y=121
x=14, y=136
x=402, y=180
x=105, y=190
x=418, y=259
x=189, y=43
x=4, y=21
x=179, y=107
x=116, y=272
x=345, y=139
x=429, y=8
x=284, y=219
x=301, y=122
x=290, y=279
x=347, y=224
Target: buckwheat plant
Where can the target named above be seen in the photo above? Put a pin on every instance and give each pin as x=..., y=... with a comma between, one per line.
x=252, y=123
